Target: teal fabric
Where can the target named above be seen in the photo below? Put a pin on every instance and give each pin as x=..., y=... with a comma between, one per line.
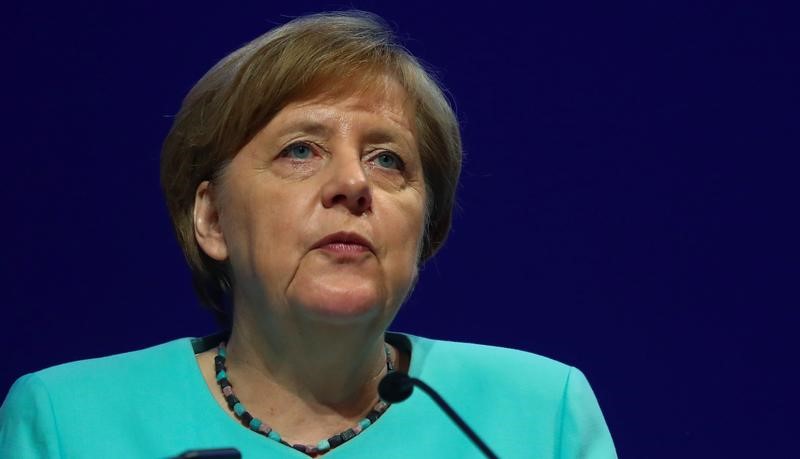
x=154, y=403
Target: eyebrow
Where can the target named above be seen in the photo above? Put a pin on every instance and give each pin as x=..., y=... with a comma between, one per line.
x=384, y=136
x=307, y=127
x=315, y=128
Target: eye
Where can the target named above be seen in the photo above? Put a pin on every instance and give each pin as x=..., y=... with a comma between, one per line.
x=389, y=160
x=298, y=150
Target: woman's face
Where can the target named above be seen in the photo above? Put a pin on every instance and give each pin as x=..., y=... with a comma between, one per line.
x=321, y=215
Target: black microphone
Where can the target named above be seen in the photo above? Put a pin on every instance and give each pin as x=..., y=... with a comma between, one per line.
x=224, y=453
x=396, y=387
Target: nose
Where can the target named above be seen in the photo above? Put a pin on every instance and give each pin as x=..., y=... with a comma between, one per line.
x=347, y=186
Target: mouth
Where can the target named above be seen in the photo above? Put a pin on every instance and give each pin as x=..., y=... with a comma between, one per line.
x=344, y=242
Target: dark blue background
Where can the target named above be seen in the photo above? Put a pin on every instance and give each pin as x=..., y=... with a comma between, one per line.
x=628, y=203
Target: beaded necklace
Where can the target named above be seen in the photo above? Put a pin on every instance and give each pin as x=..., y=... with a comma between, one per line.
x=261, y=427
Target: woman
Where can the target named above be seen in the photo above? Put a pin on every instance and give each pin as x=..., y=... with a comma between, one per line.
x=308, y=175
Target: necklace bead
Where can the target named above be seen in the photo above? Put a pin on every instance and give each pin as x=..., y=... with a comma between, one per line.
x=257, y=425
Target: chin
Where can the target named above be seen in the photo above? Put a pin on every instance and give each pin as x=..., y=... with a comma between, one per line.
x=341, y=306
x=339, y=296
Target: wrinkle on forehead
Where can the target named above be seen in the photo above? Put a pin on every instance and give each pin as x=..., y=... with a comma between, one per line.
x=378, y=86
x=381, y=95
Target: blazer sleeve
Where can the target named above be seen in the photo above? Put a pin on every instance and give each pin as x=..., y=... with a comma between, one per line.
x=584, y=434
x=27, y=423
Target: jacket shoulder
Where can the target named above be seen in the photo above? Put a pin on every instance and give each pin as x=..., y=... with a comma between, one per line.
x=486, y=366
x=114, y=368
x=65, y=408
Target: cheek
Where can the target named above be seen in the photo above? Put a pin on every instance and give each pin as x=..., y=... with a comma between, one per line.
x=406, y=232
x=262, y=234
x=402, y=271
x=277, y=226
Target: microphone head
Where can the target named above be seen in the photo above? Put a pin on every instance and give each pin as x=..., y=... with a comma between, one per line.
x=395, y=387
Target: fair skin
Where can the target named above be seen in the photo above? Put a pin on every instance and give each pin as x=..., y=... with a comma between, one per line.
x=320, y=217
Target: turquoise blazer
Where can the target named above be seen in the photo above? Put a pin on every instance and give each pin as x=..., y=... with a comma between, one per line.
x=154, y=403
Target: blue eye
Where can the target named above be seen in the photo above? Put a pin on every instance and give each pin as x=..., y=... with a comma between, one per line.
x=297, y=151
x=389, y=161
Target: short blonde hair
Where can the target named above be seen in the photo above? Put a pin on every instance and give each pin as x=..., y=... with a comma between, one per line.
x=246, y=89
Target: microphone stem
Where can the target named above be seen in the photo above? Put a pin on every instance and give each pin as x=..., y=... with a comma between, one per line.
x=456, y=418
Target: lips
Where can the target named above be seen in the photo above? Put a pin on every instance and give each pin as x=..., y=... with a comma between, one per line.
x=343, y=239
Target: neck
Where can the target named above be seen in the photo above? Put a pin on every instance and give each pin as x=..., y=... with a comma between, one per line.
x=319, y=368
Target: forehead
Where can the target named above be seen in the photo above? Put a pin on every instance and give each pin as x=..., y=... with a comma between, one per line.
x=381, y=97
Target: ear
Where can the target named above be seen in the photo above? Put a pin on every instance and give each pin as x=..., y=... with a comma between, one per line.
x=207, y=228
